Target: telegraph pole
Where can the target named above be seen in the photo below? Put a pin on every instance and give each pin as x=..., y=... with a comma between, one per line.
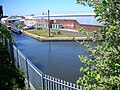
x=49, y=21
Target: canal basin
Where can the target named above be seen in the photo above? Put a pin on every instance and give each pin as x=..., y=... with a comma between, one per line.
x=58, y=59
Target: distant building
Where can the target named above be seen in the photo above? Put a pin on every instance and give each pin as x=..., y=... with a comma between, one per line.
x=12, y=19
x=75, y=25
x=3, y=20
x=65, y=21
x=30, y=22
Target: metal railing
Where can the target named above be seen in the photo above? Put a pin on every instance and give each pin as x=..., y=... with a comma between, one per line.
x=35, y=77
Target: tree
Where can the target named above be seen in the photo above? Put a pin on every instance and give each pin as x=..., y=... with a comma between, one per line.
x=32, y=14
x=102, y=68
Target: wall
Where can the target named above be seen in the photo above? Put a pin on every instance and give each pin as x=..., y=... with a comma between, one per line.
x=73, y=24
x=89, y=28
x=41, y=21
x=30, y=22
x=66, y=24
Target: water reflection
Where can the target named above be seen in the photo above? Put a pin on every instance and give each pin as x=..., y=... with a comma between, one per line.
x=49, y=44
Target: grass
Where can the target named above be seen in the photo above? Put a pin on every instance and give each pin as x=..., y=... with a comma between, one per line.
x=45, y=33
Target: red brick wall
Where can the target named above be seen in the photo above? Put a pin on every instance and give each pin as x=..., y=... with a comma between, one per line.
x=41, y=21
x=70, y=24
x=73, y=24
x=90, y=28
x=67, y=24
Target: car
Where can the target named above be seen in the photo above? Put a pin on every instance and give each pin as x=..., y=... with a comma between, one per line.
x=17, y=31
x=25, y=27
x=31, y=27
x=21, y=26
x=28, y=27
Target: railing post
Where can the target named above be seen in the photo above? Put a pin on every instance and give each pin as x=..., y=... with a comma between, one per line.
x=43, y=82
x=27, y=69
x=12, y=52
x=18, y=63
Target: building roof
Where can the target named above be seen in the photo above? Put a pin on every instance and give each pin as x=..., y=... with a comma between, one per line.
x=29, y=17
x=66, y=15
x=15, y=17
x=85, y=18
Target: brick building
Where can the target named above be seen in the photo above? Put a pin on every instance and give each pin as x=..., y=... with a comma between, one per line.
x=30, y=22
x=74, y=22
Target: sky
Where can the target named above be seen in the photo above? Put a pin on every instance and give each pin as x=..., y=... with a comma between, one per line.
x=37, y=7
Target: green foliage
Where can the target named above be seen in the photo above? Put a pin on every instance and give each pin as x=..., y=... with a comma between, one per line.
x=5, y=32
x=102, y=71
x=20, y=24
x=11, y=78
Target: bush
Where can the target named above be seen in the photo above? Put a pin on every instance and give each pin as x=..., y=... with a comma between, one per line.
x=11, y=78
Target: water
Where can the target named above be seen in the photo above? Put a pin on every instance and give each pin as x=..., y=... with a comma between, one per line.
x=57, y=59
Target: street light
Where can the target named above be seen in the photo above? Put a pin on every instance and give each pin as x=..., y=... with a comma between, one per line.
x=49, y=22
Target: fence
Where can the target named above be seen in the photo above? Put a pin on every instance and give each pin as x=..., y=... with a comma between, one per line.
x=35, y=77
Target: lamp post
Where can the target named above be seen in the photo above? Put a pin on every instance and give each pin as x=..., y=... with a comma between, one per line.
x=49, y=22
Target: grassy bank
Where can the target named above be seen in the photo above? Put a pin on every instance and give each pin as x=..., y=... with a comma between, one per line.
x=45, y=33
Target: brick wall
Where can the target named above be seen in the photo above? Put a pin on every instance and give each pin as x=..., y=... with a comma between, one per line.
x=73, y=24
x=90, y=28
x=67, y=24
x=30, y=22
x=41, y=21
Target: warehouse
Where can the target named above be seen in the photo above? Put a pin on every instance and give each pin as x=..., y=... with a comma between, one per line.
x=63, y=21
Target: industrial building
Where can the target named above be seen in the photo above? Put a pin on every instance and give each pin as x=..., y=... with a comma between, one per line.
x=65, y=21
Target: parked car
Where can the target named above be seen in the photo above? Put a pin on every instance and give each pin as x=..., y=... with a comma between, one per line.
x=24, y=27
x=21, y=27
x=28, y=27
x=31, y=27
x=17, y=31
